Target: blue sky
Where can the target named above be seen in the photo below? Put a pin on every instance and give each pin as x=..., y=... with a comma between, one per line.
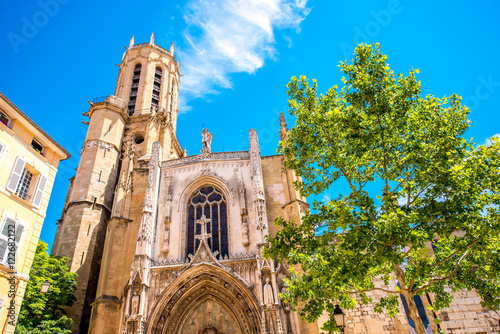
x=237, y=57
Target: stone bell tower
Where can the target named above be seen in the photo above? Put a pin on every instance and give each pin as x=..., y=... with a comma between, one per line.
x=121, y=132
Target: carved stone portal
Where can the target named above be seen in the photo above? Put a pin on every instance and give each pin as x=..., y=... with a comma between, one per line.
x=210, y=317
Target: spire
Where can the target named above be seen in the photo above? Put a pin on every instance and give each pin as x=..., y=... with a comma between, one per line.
x=131, y=43
x=172, y=49
x=152, y=39
x=283, y=128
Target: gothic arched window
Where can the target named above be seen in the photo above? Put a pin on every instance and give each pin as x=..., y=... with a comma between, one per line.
x=208, y=201
x=134, y=88
x=155, y=98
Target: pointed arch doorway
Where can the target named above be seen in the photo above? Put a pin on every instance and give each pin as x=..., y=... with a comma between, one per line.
x=205, y=299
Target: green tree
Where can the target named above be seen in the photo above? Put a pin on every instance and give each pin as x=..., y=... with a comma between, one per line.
x=413, y=180
x=43, y=313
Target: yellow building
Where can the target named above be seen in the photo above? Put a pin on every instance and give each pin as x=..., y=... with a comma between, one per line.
x=28, y=165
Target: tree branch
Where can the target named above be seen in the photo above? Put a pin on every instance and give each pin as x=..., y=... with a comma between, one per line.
x=361, y=291
x=457, y=251
x=426, y=285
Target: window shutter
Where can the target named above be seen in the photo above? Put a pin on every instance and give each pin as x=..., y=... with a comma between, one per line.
x=8, y=222
x=17, y=171
x=39, y=191
x=19, y=232
x=3, y=248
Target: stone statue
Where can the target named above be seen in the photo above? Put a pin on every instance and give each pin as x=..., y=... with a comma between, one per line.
x=268, y=293
x=220, y=323
x=166, y=237
x=206, y=140
x=135, y=303
x=244, y=231
x=209, y=314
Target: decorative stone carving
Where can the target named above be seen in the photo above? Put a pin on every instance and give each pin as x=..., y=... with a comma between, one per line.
x=258, y=184
x=146, y=228
x=170, y=196
x=203, y=236
x=243, y=206
x=244, y=231
x=92, y=144
x=131, y=146
x=166, y=238
x=283, y=128
x=106, y=146
x=134, y=304
x=176, y=306
x=160, y=118
x=268, y=294
x=209, y=330
x=206, y=140
x=204, y=254
x=212, y=156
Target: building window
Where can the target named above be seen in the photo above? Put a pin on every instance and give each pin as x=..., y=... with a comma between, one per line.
x=24, y=184
x=36, y=146
x=21, y=180
x=14, y=229
x=155, y=99
x=4, y=119
x=208, y=201
x=134, y=89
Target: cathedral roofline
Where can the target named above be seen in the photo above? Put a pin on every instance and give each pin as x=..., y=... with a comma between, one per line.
x=236, y=155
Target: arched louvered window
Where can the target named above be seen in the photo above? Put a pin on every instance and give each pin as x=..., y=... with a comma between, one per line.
x=134, y=89
x=208, y=201
x=155, y=99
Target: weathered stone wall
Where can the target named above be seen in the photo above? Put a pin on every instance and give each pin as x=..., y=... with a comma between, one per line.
x=466, y=315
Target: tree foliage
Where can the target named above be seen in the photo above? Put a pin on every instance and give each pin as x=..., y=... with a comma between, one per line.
x=43, y=313
x=413, y=180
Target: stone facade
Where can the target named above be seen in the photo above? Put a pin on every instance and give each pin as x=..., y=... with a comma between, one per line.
x=169, y=243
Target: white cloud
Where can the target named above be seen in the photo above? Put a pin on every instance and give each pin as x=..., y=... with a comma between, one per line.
x=326, y=198
x=489, y=141
x=231, y=36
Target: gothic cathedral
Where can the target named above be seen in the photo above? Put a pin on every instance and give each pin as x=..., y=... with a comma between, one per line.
x=164, y=242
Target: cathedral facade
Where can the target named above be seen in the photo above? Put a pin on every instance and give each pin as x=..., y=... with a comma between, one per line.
x=169, y=243
x=164, y=242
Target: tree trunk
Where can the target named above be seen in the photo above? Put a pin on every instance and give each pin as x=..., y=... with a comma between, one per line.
x=431, y=315
x=412, y=307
